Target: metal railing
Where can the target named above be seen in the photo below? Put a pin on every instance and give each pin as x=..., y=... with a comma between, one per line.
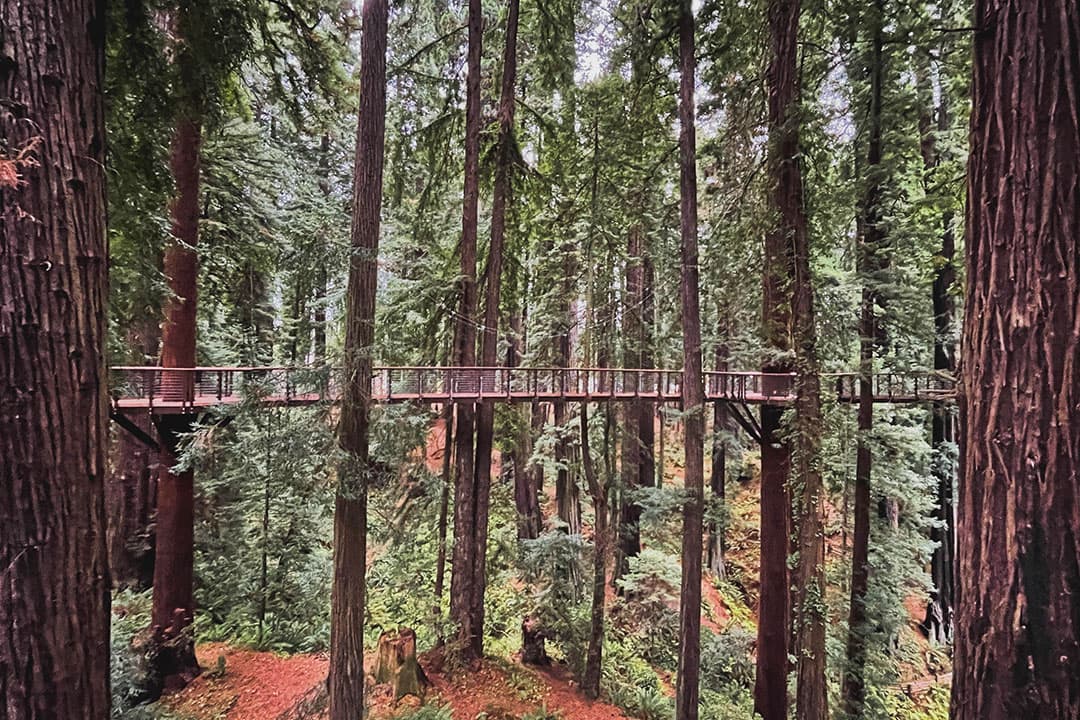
x=185, y=389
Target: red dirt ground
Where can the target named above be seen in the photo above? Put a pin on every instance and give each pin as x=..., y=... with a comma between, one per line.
x=254, y=686
x=262, y=685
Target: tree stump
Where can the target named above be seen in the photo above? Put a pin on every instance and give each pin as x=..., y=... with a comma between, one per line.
x=532, y=643
x=397, y=666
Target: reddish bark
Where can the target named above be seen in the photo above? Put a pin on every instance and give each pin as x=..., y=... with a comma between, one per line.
x=693, y=386
x=809, y=605
x=1017, y=651
x=770, y=688
x=590, y=684
x=347, y=601
x=174, y=551
x=489, y=349
x=721, y=426
x=872, y=236
x=54, y=579
x=463, y=589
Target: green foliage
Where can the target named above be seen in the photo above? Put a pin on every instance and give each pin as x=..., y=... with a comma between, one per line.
x=551, y=564
x=727, y=658
x=729, y=704
x=262, y=567
x=427, y=712
x=647, y=615
x=130, y=615
x=542, y=713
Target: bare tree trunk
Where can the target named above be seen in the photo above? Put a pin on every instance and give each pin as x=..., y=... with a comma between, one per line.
x=54, y=577
x=1017, y=652
x=444, y=504
x=770, y=688
x=174, y=553
x=485, y=419
x=693, y=387
x=872, y=238
x=463, y=590
x=347, y=601
x=809, y=606
x=590, y=684
x=721, y=427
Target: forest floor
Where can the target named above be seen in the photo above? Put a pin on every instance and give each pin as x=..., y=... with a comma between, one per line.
x=239, y=684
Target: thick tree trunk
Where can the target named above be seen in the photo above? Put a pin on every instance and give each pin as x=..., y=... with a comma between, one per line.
x=770, y=688
x=809, y=606
x=693, y=387
x=347, y=600
x=489, y=353
x=1017, y=652
x=590, y=683
x=463, y=590
x=174, y=551
x=871, y=242
x=567, y=497
x=54, y=581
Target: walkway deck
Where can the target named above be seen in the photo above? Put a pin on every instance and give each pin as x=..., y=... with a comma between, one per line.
x=174, y=391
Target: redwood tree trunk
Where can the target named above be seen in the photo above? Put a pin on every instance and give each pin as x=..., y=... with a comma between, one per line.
x=463, y=589
x=1017, y=652
x=54, y=580
x=174, y=550
x=489, y=352
x=871, y=241
x=590, y=684
x=809, y=605
x=693, y=387
x=721, y=427
x=347, y=601
x=770, y=686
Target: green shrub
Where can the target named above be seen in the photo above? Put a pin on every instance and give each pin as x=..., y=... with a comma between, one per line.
x=427, y=712
x=726, y=658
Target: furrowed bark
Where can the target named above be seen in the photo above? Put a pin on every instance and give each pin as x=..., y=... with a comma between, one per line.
x=590, y=684
x=808, y=491
x=54, y=578
x=485, y=417
x=770, y=686
x=1017, y=645
x=693, y=387
x=347, y=601
x=174, y=553
x=463, y=590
